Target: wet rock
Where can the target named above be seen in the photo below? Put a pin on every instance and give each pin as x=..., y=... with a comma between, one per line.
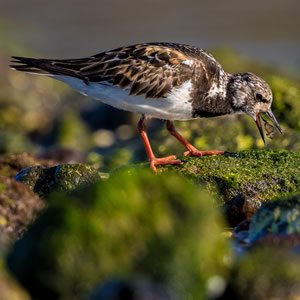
x=256, y=174
x=135, y=224
x=266, y=273
x=11, y=164
x=280, y=217
x=65, y=177
x=18, y=208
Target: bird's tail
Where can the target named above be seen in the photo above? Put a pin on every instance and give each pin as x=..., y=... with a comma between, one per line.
x=49, y=67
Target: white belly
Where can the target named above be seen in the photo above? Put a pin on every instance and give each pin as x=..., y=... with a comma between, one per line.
x=176, y=106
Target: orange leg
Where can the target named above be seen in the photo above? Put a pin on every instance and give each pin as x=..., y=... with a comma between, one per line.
x=191, y=150
x=169, y=160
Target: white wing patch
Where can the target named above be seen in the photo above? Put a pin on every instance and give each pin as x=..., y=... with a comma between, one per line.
x=188, y=62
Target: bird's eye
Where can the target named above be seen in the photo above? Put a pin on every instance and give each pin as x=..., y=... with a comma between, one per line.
x=259, y=97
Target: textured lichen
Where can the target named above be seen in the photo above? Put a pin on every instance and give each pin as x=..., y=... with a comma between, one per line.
x=259, y=174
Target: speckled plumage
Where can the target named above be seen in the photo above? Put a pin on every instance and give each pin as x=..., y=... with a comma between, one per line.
x=149, y=70
x=160, y=80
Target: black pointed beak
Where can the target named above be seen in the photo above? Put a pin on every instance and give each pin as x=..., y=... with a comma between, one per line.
x=271, y=116
x=259, y=126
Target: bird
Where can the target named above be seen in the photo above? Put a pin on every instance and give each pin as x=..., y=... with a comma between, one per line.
x=167, y=81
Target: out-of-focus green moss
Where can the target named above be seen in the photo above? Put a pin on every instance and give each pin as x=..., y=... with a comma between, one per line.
x=28, y=103
x=136, y=224
x=12, y=141
x=65, y=177
x=259, y=174
x=266, y=273
x=286, y=94
x=73, y=133
x=276, y=217
x=119, y=158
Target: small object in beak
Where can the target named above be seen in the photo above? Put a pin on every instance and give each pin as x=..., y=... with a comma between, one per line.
x=270, y=129
x=259, y=126
x=271, y=116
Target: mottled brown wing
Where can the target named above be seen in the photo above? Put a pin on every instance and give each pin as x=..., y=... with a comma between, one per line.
x=146, y=69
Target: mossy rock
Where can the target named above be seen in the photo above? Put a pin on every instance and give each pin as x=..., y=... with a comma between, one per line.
x=65, y=177
x=18, y=208
x=266, y=273
x=258, y=174
x=134, y=225
x=281, y=217
x=12, y=163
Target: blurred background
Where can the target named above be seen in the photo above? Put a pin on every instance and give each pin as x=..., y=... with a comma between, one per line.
x=45, y=117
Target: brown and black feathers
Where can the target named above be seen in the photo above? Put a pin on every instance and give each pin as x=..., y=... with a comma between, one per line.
x=145, y=69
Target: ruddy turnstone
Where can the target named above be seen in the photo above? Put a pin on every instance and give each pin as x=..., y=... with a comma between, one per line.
x=166, y=81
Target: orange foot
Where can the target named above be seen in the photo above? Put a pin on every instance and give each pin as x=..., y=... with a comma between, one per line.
x=195, y=152
x=162, y=161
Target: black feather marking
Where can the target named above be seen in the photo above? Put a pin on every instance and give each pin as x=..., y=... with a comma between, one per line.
x=125, y=82
x=138, y=88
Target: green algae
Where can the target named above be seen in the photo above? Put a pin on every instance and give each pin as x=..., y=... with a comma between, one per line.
x=259, y=174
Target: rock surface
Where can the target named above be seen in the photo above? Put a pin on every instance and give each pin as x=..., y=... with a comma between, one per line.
x=11, y=164
x=65, y=177
x=257, y=174
x=281, y=217
x=19, y=207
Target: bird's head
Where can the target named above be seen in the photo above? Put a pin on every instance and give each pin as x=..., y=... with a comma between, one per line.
x=253, y=96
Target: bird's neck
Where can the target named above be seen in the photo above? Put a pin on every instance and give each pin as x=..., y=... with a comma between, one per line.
x=216, y=101
x=235, y=92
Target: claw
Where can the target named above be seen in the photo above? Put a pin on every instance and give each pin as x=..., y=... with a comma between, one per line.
x=162, y=161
